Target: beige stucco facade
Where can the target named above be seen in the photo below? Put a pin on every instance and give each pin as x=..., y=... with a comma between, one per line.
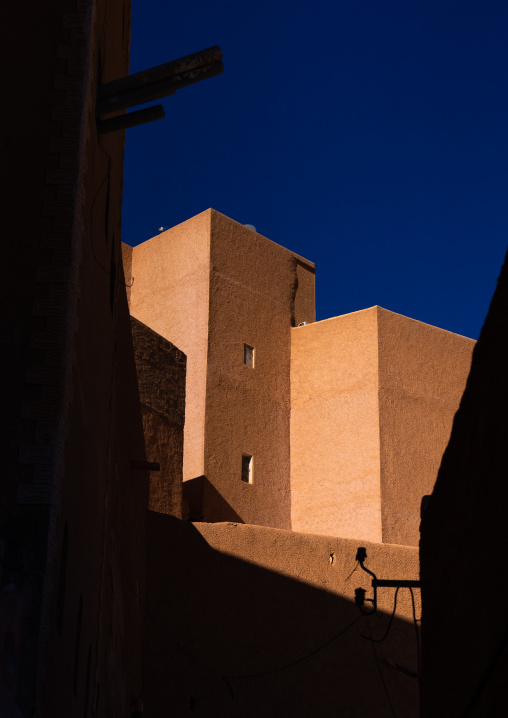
x=169, y=293
x=110, y=601
x=373, y=396
x=345, y=419
x=335, y=427
x=211, y=286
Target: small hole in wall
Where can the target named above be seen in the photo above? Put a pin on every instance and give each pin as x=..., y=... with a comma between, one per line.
x=332, y=558
x=247, y=468
x=248, y=355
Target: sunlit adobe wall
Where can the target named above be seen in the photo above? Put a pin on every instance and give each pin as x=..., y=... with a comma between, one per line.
x=258, y=292
x=335, y=462
x=373, y=396
x=422, y=376
x=227, y=297
x=170, y=294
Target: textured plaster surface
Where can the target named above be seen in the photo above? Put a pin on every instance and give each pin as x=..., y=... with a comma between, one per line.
x=170, y=294
x=160, y=368
x=373, y=396
x=70, y=383
x=259, y=624
x=422, y=376
x=255, y=299
x=317, y=560
x=335, y=471
x=127, y=269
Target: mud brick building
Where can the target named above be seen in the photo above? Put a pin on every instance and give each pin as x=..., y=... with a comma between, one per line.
x=190, y=461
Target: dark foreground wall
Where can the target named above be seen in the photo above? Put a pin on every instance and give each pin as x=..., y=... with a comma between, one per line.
x=464, y=541
x=71, y=508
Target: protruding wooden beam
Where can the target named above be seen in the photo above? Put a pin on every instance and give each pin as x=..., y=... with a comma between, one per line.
x=131, y=119
x=161, y=72
x=156, y=90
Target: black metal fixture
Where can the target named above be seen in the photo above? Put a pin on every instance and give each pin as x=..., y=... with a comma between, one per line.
x=360, y=593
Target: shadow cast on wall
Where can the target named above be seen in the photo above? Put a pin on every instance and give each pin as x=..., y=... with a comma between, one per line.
x=197, y=494
x=226, y=637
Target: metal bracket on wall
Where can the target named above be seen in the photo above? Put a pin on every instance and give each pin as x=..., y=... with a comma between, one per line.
x=145, y=465
x=360, y=599
x=152, y=84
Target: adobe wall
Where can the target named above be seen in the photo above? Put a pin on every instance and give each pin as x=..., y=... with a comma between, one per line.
x=92, y=659
x=258, y=291
x=260, y=625
x=160, y=369
x=464, y=541
x=170, y=290
x=335, y=471
x=71, y=509
x=373, y=396
x=422, y=376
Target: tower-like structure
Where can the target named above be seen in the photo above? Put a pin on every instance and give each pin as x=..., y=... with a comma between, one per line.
x=373, y=397
x=228, y=298
x=334, y=427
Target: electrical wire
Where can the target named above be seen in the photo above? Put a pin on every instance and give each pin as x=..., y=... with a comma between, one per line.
x=225, y=678
x=380, y=640
x=372, y=643
x=417, y=632
x=303, y=658
x=352, y=572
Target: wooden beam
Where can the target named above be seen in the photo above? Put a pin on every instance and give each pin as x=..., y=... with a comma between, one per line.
x=156, y=90
x=131, y=119
x=197, y=60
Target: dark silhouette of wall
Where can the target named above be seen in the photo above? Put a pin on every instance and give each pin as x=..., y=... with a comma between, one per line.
x=464, y=541
x=70, y=508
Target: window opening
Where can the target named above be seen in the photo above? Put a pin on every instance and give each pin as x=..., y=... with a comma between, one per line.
x=248, y=355
x=247, y=461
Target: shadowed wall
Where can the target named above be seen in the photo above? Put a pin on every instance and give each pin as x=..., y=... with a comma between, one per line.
x=464, y=541
x=160, y=369
x=236, y=603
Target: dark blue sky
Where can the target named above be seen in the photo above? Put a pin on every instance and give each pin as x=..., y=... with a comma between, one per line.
x=370, y=137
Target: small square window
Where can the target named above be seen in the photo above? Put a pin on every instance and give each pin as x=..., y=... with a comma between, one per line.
x=247, y=461
x=248, y=355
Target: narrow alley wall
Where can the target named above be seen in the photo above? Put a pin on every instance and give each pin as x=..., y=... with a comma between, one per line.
x=464, y=541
